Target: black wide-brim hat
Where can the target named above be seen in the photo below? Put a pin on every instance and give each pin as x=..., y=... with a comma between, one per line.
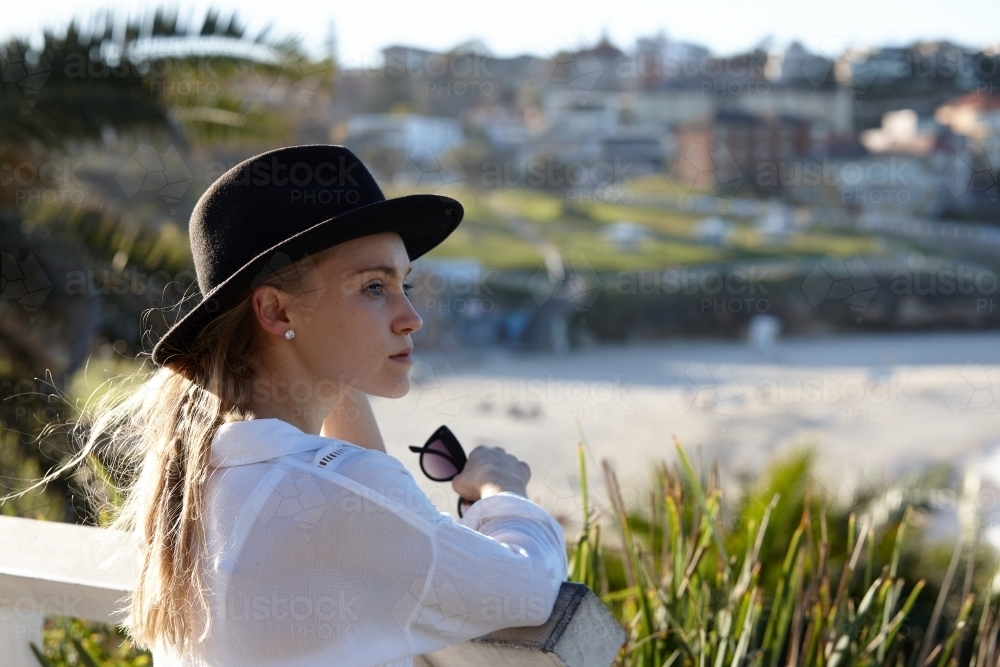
x=279, y=207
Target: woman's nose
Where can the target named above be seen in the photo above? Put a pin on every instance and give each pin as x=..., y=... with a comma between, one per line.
x=410, y=320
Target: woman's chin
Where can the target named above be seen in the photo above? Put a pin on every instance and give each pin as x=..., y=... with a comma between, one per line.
x=401, y=388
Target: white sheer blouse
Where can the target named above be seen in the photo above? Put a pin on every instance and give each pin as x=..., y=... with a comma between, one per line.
x=326, y=553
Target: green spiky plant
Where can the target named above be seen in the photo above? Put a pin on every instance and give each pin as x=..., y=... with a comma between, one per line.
x=692, y=593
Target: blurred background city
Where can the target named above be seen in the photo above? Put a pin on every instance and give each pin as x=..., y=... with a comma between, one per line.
x=752, y=249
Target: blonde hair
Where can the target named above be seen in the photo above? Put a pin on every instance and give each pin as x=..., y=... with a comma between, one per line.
x=170, y=426
x=152, y=446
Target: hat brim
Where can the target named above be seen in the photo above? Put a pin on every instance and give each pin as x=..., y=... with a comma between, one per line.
x=423, y=221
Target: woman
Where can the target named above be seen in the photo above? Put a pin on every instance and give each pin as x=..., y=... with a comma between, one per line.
x=271, y=526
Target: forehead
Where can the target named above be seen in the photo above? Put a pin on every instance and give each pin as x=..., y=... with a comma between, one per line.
x=362, y=253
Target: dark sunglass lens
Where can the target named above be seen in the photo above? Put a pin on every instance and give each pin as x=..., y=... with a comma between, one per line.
x=439, y=467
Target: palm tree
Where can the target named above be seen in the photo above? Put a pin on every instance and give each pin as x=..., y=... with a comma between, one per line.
x=193, y=87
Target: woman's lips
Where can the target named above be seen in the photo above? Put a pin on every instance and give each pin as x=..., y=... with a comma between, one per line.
x=402, y=358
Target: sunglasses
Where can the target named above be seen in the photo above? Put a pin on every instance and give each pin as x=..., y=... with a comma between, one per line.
x=441, y=458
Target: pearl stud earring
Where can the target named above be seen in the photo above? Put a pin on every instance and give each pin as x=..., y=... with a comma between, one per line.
x=289, y=334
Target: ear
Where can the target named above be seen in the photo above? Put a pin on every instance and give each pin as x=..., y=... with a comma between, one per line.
x=269, y=306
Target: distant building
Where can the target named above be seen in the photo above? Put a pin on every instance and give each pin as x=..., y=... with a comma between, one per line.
x=406, y=148
x=642, y=149
x=650, y=128
x=799, y=121
x=976, y=115
x=404, y=132
x=901, y=132
x=659, y=61
x=736, y=146
x=581, y=112
x=921, y=77
x=610, y=58
x=504, y=128
x=831, y=108
x=670, y=109
x=591, y=126
x=800, y=68
x=752, y=140
x=971, y=173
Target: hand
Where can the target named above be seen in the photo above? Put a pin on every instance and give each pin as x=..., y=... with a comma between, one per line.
x=490, y=470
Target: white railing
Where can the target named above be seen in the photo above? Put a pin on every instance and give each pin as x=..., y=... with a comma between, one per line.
x=49, y=568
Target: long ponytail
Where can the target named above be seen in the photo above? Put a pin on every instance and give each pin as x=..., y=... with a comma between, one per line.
x=153, y=444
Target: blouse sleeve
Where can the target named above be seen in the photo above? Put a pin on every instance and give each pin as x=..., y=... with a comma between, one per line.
x=353, y=564
x=500, y=565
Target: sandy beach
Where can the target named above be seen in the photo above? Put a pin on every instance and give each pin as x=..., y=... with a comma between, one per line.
x=872, y=404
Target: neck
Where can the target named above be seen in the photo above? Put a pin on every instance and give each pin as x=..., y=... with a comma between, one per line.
x=294, y=397
x=331, y=410
x=303, y=418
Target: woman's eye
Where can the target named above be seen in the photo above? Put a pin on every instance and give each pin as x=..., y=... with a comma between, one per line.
x=378, y=287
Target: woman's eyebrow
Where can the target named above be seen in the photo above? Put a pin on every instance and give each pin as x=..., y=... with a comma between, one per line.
x=391, y=270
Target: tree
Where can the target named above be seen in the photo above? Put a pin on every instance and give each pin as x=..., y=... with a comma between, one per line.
x=77, y=267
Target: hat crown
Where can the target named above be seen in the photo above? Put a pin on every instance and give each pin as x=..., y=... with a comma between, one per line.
x=269, y=198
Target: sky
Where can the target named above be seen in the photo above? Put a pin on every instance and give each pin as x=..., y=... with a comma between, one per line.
x=535, y=27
